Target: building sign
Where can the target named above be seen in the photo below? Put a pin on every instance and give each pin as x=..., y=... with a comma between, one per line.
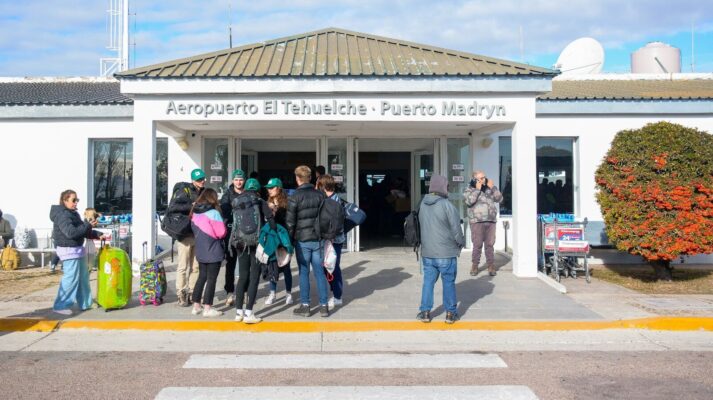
x=331, y=108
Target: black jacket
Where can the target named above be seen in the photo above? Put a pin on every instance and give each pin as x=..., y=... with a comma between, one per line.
x=69, y=230
x=182, y=200
x=302, y=211
x=226, y=208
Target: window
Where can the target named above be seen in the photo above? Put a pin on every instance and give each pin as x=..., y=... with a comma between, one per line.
x=505, y=185
x=555, y=181
x=161, y=174
x=113, y=171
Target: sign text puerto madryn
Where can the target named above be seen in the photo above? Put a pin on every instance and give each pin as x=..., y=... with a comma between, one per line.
x=336, y=108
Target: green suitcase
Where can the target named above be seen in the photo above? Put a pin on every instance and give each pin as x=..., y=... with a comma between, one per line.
x=113, y=278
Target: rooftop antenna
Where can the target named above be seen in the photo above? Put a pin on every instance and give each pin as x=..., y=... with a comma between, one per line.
x=230, y=23
x=522, y=46
x=693, y=45
x=118, y=30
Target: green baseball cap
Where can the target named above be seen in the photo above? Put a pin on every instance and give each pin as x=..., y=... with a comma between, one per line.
x=273, y=182
x=252, y=184
x=197, y=174
x=238, y=173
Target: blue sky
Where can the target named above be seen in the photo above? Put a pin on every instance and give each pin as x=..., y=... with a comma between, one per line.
x=67, y=37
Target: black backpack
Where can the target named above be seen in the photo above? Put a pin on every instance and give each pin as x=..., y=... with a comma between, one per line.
x=177, y=225
x=353, y=216
x=412, y=230
x=247, y=221
x=330, y=219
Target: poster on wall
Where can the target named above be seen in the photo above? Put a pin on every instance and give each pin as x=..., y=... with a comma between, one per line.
x=216, y=179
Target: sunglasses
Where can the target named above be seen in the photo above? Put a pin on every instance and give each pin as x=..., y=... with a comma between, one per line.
x=75, y=200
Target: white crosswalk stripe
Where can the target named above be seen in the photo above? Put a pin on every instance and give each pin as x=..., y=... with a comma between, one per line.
x=494, y=392
x=352, y=361
x=373, y=361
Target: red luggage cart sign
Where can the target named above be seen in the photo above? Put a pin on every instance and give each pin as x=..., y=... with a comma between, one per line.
x=569, y=239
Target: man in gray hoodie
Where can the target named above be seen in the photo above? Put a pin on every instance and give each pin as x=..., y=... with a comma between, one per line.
x=441, y=242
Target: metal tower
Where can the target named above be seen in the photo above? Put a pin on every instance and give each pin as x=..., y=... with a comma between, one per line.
x=118, y=29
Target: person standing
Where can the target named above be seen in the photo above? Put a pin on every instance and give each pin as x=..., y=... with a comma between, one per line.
x=6, y=232
x=69, y=232
x=208, y=230
x=277, y=201
x=184, y=196
x=328, y=186
x=231, y=255
x=253, y=212
x=482, y=198
x=441, y=242
x=302, y=213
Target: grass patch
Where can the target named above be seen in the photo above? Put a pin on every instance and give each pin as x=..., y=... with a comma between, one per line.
x=26, y=281
x=642, y=278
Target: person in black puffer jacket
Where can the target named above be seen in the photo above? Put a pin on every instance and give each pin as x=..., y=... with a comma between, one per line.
x=69, y=232
x=302, y=212
x=231, y=255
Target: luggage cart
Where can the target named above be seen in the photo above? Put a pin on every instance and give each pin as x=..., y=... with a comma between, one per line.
x=562, y=245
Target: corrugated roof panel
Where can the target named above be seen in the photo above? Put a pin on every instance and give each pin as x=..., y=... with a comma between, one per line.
x=377, y=59
x=343, y=62
x=299, y=62
x=180, y=69
x=193, y=67
x=207, y=64
x=265, y=60
x=229, y=64
x=167, y=71
x=92, y=91
x=321, y=61
x=288, y=58
x=218, y=65
x=336, y=52
x=332, y=54
x=253, y=62
x=242, y=63
x=367, y=66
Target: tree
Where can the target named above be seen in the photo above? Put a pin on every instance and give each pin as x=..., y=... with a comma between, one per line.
x=655, y=190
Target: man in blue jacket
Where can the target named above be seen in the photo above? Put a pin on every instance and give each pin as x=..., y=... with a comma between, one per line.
x=441, y=242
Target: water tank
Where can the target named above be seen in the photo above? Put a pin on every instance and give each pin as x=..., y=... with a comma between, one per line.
x=656, y=58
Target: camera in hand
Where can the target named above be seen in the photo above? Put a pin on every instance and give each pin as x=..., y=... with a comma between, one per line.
x=484, y=187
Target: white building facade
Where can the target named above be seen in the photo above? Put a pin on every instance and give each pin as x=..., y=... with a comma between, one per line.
x=363, y=106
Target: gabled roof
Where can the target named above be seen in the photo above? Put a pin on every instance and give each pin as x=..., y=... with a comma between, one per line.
x=56, y=91
x=334, y=52
x=634, y=89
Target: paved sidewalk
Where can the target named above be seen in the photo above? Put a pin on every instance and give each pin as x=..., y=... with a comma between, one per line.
x=385, y=285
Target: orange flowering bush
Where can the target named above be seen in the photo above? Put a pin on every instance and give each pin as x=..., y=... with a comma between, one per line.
x=655, y=190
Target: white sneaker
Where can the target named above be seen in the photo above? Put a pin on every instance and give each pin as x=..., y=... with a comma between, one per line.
x=252, y=319
x=288, y=299
x=270, y=299
x=334, y=302
x=196, y=311
x=239, y=317
x=212, y=312
x=63, y=312
x=230, y=300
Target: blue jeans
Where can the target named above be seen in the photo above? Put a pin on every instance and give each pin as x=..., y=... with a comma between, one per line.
x=336, y=284
x=311, y=252
x=287, y=275
x=74, y=287
x=432, y=267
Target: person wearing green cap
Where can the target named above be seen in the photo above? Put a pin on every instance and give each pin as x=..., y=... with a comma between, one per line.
x=236, y=188
x=277, y=201
x=184, y=196
x=250, y=212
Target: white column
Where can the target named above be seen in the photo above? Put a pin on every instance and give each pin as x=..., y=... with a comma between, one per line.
x=144, y=188
x=524, y=198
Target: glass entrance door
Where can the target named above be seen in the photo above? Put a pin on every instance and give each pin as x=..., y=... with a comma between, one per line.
x=420, y=176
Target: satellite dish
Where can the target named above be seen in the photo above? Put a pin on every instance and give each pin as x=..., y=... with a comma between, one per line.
x=583, y=56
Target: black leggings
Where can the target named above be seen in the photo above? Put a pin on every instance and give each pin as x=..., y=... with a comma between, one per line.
x=207, y=276
x=249, y=271
x=230, y=269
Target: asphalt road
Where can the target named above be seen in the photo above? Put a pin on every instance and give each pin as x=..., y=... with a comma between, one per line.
x=550, y=375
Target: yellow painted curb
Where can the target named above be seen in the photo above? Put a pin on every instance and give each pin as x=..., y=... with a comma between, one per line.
x=656, y=323
x=27, y=325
